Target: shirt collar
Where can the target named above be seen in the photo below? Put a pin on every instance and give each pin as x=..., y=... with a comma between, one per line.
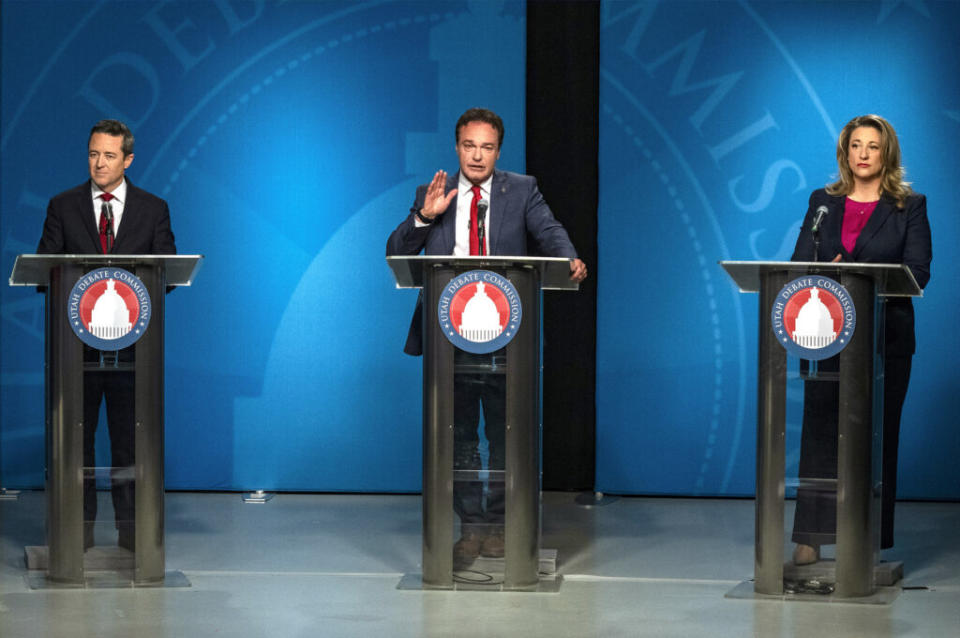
x=119, y=193
x=465, y=185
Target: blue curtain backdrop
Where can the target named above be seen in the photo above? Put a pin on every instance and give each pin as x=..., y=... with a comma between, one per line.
x=717, y=120
x=288, y=139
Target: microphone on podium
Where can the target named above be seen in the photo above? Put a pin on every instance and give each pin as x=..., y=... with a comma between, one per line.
x=818, y=218
x=815, y=229
x=482, y=206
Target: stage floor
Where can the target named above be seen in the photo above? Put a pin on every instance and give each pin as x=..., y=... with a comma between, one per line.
x=326, y=565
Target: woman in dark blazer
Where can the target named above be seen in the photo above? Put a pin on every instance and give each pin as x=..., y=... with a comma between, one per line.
x=873, y=216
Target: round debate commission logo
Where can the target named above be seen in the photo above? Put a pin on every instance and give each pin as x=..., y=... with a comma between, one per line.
x=479, y=311
x=814, y=317
x=109, y=308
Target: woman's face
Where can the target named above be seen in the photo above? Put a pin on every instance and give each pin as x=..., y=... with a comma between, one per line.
x=864, y=155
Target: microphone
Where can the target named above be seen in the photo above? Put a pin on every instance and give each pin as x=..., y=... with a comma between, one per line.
x=482, y=206
x=107, y=212
x=818, y=219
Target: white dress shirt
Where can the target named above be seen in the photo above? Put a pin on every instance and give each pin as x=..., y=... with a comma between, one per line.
x=464, y=199
x=116, y=204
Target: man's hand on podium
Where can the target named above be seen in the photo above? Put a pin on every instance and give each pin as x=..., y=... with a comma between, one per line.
x=578, y=270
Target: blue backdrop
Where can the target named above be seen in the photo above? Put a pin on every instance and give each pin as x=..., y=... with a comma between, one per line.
x=717, y=120
x=289, y=137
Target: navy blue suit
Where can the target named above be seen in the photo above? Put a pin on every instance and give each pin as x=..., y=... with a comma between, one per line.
x=70, y=228
x=891, y=236
x=518, y=215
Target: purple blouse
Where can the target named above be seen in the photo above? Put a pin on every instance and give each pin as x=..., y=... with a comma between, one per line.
x=855, y=217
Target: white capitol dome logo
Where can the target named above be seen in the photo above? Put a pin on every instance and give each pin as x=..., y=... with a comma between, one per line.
x=814, y=328
x=479, y=311
x=111, y=317
x=813, y=317
x=481, y=319
x=109, y=308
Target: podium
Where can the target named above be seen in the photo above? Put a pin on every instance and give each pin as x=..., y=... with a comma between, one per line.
x=516, y=369
x=65, y=367
x=860, y=382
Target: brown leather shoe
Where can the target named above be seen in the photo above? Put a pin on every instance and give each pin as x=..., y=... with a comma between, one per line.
x=493, y=544
x=805, y=554
x=466, y=550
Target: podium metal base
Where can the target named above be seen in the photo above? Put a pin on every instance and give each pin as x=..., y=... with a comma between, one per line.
x=486, y=574
x=885, y=574
x=546, y=585
x=106, y=580
x=104, y=567
x=814, y=583
x=97, y=558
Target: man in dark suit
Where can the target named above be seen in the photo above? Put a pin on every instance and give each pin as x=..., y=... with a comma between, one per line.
x=108, y=214
x=442, y=221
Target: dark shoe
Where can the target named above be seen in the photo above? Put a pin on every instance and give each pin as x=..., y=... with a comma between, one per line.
x=126, y=538
x=466, y=550
x=87, y=535
x=492, y=546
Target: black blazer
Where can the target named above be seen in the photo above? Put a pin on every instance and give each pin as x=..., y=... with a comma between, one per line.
x=892, y=236
x=71, y=228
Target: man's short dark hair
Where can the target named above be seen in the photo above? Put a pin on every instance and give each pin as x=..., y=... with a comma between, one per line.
x=481, y=115
x=116, y=128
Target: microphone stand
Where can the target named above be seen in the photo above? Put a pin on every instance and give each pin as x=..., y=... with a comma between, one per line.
x=812, y=367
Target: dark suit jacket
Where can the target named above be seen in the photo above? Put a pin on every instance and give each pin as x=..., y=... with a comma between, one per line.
x=517, y=214
x=891, y=236
x=71, y=225
x=71, y=229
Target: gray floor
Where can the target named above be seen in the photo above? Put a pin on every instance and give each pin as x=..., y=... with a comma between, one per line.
x=329, y=565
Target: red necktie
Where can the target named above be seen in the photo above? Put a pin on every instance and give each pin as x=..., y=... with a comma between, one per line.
x=106, y=223
x=474, y=224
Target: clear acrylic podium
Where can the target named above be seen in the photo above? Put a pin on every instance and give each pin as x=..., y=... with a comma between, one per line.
x=65, y=559
x=855, y=573
x=516, y=370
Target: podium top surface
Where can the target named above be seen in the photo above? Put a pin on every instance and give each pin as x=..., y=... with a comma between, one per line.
x=34, y=270
x=554, y=271
x=893, y=280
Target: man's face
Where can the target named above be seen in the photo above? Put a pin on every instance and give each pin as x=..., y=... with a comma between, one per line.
x=478, y=147
x=107, y=161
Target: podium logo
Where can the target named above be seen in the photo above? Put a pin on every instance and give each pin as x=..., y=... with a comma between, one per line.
x=814, y=317
x=479, y=311
x=109, y=308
